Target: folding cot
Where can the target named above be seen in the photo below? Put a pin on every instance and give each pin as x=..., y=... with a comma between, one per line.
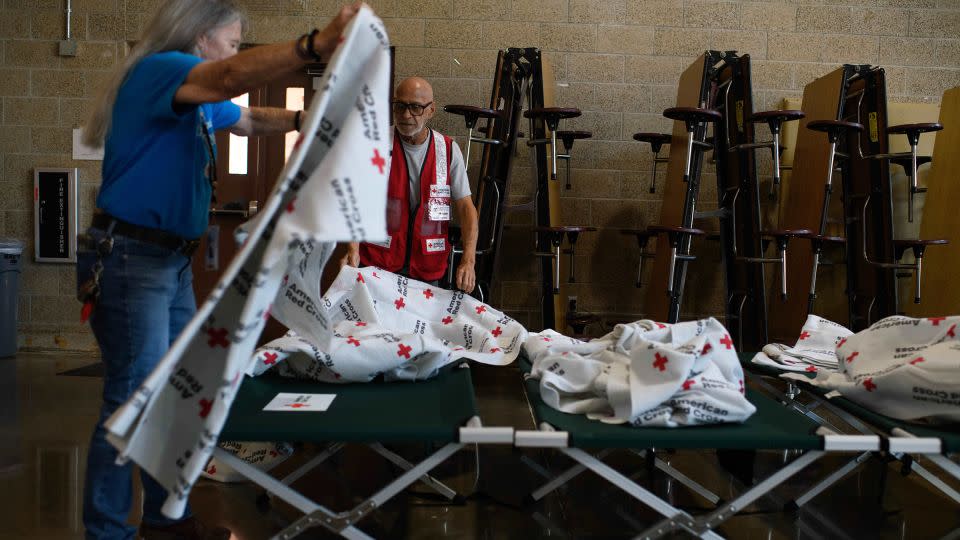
x=440, y=410
x=773, y=427
x=902, y=440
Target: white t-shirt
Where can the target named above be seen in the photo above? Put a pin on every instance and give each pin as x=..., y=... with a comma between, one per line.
x=415, y=155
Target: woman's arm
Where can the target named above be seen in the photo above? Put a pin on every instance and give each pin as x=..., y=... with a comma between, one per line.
x=210, y=82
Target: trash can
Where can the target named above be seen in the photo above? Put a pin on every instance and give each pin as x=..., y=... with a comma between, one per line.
x=11, y=252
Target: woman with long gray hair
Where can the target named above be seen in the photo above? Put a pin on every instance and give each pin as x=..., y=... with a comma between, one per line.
x=155, y=118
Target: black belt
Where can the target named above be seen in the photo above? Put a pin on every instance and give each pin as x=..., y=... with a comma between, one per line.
x=146, y=234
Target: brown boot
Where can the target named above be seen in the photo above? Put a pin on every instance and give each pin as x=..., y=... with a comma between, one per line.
x=188, y=529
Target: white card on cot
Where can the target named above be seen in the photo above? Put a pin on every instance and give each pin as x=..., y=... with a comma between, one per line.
x=300, y=402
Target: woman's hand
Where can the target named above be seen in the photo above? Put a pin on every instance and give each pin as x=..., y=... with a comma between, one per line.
x=327, y=39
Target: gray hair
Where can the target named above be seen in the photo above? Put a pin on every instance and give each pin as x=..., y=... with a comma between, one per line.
x=176, y=26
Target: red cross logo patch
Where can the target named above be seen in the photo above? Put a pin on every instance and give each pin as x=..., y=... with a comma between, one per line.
x=853, y=355
x=496, y=332
x=269, y=358
x=212, y=469
x=727, y=341
x=404, y=350
x=811, y=369
x=428, y=293
x=804, y=335
x=494, y=350
x=842, y=342
x=952, y=332
x=296, y=405
x=447, y=320
x=546, y=339
x=661, y=325
x=481, y=309
x=205, y=406
x=360, y=278
x=353, y=341
x=361, y=323
x=660, y=362
x=378, y=160
x=217, y=337
x=687, y=384
x=399, y=303
x=868, y=384
x=706, y=348
x=916, y=361
x=936, y=320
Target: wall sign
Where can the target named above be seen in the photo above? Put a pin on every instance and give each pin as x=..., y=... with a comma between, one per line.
x=55, y=215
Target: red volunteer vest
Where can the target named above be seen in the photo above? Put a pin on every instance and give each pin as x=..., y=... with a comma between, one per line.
x=426, y=239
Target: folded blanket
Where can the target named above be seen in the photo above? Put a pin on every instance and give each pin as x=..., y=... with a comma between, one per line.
x=645, y=373
x=904, y=368
x=815, y=349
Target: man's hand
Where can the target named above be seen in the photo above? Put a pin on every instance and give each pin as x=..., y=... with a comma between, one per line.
x=466, y=276
x=352, y=257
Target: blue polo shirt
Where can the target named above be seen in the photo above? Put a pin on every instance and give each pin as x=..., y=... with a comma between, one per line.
x=156, y=155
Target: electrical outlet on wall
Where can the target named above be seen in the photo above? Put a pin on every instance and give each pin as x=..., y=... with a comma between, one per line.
x=571, y=303
x=68, y=47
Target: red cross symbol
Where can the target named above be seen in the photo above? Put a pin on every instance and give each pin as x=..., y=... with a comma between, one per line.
x=495, y=349
x=687, y=384
x=270, y=358
x=546, y=339
x=742, y=390
x=353, y=341
x=727, y=341
x=952, y=332
x=868, y=384
x=804, y=335
x=706, y=348
x=399, y=303
x=296, y=405
x=660, y=362
x=205, y=406
x=428, y=293
x=842, y=341
x=290, y=205
x=481, y=309
x=916, y=361
x=497, y=332
x=812, y=369
x=447, y=320
x=936, y=320
x=853, y=355
x=217, y=337
x=212, y=469
x=404, y=351
x=661, y=325
x=375, y=275
x=378, y=160
x=360, y=278
x=361, y=323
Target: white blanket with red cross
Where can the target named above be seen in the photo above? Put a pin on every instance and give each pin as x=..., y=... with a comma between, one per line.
x=904, y=368
x=816, y=348
x=379, y=323
x=333, y=188
x=645, y=373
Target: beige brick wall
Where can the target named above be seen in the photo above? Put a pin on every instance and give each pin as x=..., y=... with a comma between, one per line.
x=618, y=60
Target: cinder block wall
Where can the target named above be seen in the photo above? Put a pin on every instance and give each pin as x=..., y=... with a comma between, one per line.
x=618, y=60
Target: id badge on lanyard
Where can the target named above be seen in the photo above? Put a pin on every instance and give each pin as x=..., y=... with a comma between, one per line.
x=438, y=205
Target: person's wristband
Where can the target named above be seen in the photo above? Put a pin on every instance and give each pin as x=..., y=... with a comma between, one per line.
x=296, y=120
x=303, y=48
x=311, y=46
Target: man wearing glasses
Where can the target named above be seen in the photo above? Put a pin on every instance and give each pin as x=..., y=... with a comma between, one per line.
x=427, y=174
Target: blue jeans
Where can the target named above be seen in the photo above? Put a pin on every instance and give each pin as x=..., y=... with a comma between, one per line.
x=146, y=299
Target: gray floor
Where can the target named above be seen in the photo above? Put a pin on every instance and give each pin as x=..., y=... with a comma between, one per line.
x=46, y=419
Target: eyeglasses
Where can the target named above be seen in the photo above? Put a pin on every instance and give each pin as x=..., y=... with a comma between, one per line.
x=416, y=109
